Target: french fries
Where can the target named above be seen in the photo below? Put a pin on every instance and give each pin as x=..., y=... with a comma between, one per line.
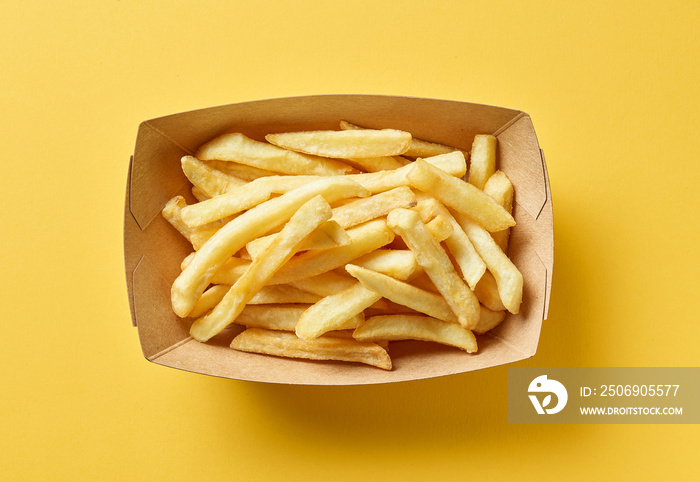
x=508, y=278
x=322, y=262
x=437, y=265
x=246, y=227
x=309, y=216
x=403, y=293
x=460, y=195
x=458, y=243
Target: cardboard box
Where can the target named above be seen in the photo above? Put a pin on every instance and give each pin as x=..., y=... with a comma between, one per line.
x=153, y=249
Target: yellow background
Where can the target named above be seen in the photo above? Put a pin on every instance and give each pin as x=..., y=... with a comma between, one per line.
x=612, y=88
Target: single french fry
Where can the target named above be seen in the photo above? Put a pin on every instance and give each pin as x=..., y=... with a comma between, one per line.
x=327, y=235
x=403, y=161
x=282, y=294
x=273, y=317
x=416, y=327
x=241, y=198
x=459, y=195
x=440, y=228
x=211, y=181
x=241, y=171
x=364, y=238
x=482, y=162
x=453, y=164
x=372, y=207
x=423, y=281
x=324, y=284
x=244, y=150
x=209, y=299
x=302, y=223
x=331, y=312
x=397, y=263
x=199, y=195
x=172, y=212
x=219, y=207
x=500, y=189
x=190, y=284
x=374, y=164
x=418, y=148
x=354, y=144
x=487, y=292
x=280, y=343
x=508, y=278
x=458, y=244
x=403, y=293
x=488, y=320
x=434, y=260
x=267, y=295
x=281, y=317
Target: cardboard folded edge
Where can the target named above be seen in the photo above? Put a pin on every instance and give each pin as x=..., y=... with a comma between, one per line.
x=158, y=148
x=129, y=249
x=547, y=215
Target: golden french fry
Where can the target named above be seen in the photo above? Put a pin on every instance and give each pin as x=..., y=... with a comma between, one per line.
x=209, y=180
x=488, y=320
x=275, y=317
x=364, y=238
x=253, y=223
x=267, y=295
x=397, y=263
x=172, y=212
x=281, y=343
x=371, y=207
x=354, y=144
x=487, y=292
x=302, y=223
x=281, y=317
x=403, y=293
x=241, y=149
x=500, y=189
x=508, y=277
x=434, y=260
x=453, y=163
x=209, y=299
x=324, y=284
x=282, y=294
x=418, y=148
x=332, y=312
x=199, y=195
x=374, y=164
x=423, y=281
x=241, y=198
x=230, y=271
x=327, y=235
x=482, y=162
x=459, y=195
x=416, y=327
x=241, y=171
x=458, y=244
x=440, y=228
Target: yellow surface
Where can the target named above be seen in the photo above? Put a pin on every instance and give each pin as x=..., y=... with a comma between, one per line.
x=612, y=88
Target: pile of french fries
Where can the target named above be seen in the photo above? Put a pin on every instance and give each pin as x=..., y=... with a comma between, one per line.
x=327, y=245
